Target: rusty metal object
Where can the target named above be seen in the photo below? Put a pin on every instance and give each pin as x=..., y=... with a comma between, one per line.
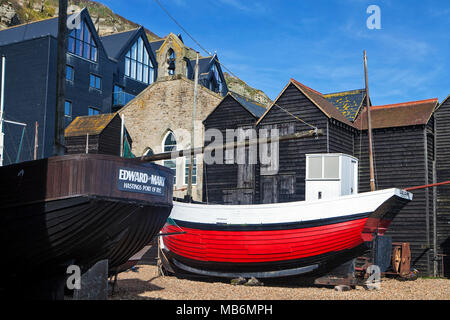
x=400, y=263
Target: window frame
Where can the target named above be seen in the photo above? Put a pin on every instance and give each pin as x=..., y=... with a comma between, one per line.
x=173, y=161
x=70, y=107
x=72, y=72
x=323, y=176
x=134, y=61
x=81, y=39
x=93, y=108
x=186, y=170
x=96, y=77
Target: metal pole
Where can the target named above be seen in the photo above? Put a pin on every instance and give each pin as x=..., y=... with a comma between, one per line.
x=191, y=162
x=20, y=145
x=122, y=131
x=369, y=126
x=2, y=102
x=435, y=266
x=87, y=143
x=36, y=125
x=58, y=144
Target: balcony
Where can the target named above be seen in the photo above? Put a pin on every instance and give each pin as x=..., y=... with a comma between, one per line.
x=121, y=98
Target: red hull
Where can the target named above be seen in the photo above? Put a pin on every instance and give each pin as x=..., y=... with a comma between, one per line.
x=264, y=246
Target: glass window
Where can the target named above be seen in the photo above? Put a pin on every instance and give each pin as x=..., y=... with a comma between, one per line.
x=138, y=64
x=68, y=109
x=69, y=73
x=81, y=43
x=315, y=168
x=67, y=113
x=331, y=167
x=170, y=144
x=194, y=171
x=171, y=62
x=95, y=82
x=93, y=111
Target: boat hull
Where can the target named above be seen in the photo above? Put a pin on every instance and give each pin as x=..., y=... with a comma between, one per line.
x=298, y=243
x=75, y=210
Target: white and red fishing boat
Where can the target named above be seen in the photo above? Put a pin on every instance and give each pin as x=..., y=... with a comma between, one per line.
x=274, y=240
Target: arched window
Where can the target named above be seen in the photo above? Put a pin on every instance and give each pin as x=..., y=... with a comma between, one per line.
x=171, y=61
x=138, y=64
x=169, y=145
x=148, y=152
x=186, y=64
x=81, y=42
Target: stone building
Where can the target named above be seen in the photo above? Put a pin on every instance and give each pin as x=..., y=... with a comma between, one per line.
x=175, y=58
x=159, y=119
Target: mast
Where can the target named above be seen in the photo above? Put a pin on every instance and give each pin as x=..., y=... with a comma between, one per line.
x=369, y=126
x=58, y=142
x=191, y=162
x=2, y=102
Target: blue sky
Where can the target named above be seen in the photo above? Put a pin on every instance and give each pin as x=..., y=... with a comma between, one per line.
x=317, y=42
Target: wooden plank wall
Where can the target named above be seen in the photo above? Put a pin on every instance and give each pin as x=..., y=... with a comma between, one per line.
x=221, y=183
x=399, y=155
x=109, y=141
x=442, y=122
x=76, y=145
x=292, y=159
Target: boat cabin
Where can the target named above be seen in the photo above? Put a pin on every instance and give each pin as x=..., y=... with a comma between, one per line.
x=330, y=175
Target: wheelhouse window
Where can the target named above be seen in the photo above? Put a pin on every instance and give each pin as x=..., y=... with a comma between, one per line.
x=323, y=167
x=95, y=82
x=138, y=64
x=69, y=73
x=81, y=43
x=171, y=62
x=93, y=111
x=169, y=145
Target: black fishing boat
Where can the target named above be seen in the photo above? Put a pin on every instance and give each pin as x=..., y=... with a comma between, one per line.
x=76, y=210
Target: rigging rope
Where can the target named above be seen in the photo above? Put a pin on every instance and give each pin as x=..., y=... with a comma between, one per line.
x=221, y=64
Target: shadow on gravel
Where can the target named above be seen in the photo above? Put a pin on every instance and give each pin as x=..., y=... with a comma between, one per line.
x=286, y=282
x=130, y=289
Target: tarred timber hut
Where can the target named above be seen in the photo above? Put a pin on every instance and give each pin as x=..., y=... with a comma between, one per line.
x=101, y=133
x=231, y=183
x=442, y=157
x=309, y=105
x=403, y=148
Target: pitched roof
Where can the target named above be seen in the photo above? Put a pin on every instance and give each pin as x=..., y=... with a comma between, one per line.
x=29, y=31
x=398, y=115
x=114, y=43
x=92, y=125
x=155, y=45
x=256, y=109
x=43, y=28
x=348, y=103
x=204, y=64
x=443, y=102
x=321, y=102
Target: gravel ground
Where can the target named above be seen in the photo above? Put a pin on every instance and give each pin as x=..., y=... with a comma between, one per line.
x=146, y=284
